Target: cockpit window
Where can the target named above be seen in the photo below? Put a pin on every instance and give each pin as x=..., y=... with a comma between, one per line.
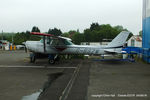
x=47, y=39
x=67, y=42
x=57, y=42
x=61, y=42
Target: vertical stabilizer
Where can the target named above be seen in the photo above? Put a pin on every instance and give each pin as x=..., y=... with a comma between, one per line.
x=119, y=40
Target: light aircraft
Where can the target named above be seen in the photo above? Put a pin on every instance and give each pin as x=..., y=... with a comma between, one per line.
x=56, y=45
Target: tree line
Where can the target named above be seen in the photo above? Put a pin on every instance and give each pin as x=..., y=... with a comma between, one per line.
x=95, y=33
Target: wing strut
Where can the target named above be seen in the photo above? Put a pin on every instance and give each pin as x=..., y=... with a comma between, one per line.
x=44, y=44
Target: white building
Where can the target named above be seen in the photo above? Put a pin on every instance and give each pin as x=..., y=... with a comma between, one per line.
x=5, y=44
x=135, y=41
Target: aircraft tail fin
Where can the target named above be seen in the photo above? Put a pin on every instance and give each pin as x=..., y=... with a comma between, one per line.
x=119, y=40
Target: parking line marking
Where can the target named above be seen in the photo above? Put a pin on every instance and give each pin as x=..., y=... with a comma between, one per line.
x=68, y=88
x=18, y=66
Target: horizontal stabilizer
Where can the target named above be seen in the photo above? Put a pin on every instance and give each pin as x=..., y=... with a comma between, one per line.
x=112, y=51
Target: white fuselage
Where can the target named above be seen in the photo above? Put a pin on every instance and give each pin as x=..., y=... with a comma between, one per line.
x=37, y=46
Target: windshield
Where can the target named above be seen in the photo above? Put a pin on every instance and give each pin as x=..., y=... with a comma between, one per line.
x=61, y=42
x=67, y=42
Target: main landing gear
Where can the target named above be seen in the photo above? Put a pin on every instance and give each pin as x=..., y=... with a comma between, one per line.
x=53, y=58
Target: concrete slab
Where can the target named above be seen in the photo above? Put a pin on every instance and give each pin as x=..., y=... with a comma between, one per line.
x=113, y=80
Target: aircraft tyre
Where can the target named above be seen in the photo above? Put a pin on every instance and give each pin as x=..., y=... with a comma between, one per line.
x=51, y=61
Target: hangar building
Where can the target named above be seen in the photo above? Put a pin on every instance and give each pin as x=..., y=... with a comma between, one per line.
x=146, y=31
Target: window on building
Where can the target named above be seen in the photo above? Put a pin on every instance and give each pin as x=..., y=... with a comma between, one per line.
x=132, y=42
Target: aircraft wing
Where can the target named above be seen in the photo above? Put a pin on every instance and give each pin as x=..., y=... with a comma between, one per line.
x=50, y=35
x=42, y=34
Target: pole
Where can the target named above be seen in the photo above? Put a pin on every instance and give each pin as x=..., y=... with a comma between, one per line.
x=2, y=35
x=44, y=44
x=2, y=41
x=12, y=39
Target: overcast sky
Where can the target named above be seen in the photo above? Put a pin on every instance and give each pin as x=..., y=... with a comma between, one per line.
x=22, y=15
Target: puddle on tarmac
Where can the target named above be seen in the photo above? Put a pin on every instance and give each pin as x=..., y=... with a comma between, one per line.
x=33, y=96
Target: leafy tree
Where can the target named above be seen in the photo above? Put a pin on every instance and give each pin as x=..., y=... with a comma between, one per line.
x=35, y=29
x=88, y=35
x=19, y=38
x=119, y=28
x=71, y=33
x=96, y=32
x=94, y=26
x=78, y=38
x=100, y=32
x=140, y=33
x=55, y=31
x=66, y=34
x=3, y=37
